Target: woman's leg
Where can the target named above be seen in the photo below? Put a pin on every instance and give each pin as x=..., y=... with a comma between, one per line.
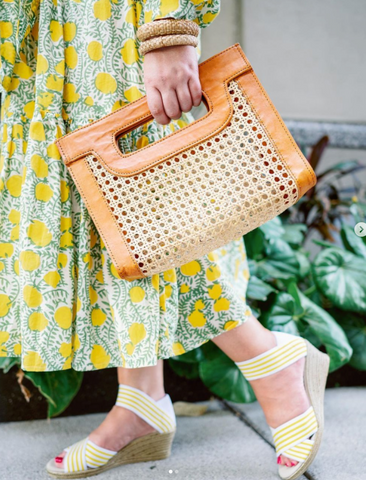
x=121, y=426
x=282, y=395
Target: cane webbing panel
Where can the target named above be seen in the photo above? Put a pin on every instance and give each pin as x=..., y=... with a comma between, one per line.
x=202, y=198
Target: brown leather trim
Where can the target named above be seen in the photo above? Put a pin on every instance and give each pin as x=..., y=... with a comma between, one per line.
x=99, y=139
x=100, y=136
x=104, y=221
x=276, y=129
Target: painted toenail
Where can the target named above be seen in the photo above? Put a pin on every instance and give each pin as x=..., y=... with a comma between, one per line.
x=279, y=460
x=58, y=459
x=293, y=464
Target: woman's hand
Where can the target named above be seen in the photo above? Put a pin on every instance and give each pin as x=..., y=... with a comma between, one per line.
x=172, y=82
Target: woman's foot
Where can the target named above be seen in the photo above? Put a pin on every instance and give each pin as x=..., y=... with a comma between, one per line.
x=282, y=397
x=119, y=428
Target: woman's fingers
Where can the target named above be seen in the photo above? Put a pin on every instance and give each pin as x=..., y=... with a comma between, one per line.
x=156, y=106
x=168, y=104
x=172, y=81
x=171, y=104
x=184, y=98
x=195, y=89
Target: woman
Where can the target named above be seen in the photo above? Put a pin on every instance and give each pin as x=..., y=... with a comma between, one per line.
x=62, y=304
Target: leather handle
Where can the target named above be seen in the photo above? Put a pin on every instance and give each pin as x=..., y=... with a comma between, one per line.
x=145, y=116
x=99, y=137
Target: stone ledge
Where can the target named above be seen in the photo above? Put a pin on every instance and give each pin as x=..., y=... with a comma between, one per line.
x=341, y=135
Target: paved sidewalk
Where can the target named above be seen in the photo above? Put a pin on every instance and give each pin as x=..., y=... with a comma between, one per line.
x=216, y=446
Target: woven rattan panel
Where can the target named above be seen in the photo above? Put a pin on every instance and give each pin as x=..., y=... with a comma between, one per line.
x=204, y=197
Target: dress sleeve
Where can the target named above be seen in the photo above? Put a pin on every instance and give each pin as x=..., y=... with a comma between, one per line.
x=203, y=12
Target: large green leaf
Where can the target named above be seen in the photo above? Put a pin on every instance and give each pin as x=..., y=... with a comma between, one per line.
x=258, y=290
x=254, y=243
x=273, y=228
x=281, y=262
x=282, y=315
x=304, y=264
x=358, y=211
x=294, y=313
x=184, y=369
x=328, y=331
x=281, y=256
x=325, y=244
x=352, y=242
x=267, y=271
x=355, y=328
x=294, y=233
x=341, y=276
x=224, y=379
x=6, y=363
x=58, y=387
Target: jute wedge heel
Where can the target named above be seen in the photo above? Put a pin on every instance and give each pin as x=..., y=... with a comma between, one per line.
x=86, y=459
x=299, y=438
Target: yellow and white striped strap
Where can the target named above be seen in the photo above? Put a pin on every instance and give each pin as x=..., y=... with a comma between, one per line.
x=289, y=349
x=292, y=438
x=159, y=414
x=85, y=454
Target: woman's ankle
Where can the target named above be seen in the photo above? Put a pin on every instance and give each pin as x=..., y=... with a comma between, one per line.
x=156, y=392
x=149, y=380
x=246, y=341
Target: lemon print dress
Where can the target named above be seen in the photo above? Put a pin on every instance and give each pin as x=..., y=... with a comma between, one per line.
x=65, y=63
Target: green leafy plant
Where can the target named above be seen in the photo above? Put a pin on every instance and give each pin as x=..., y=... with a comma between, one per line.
x=59, y=388
x=318, y=295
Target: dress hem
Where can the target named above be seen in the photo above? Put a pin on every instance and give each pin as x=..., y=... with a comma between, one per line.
x=210, y=337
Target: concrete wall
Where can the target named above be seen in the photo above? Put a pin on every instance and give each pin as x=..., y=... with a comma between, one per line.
x=310, y=56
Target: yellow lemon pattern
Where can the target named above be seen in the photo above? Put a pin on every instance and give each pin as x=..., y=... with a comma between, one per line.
x=32, y=297
x=98, y=317
x=99, y=357
x=37, y=321
x=56, y=274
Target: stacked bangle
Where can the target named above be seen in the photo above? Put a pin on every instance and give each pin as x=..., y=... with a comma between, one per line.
x=166, y=33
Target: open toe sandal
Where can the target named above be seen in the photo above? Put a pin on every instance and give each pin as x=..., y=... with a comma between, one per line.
x=298, y=439
x=85, y=458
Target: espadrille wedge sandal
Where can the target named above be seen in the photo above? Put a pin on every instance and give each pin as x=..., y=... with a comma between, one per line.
x=298, y=439
x=85, y=458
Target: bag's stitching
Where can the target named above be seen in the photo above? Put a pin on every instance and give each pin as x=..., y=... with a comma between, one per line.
x=177, y=132
x=269, y=135
x=139, y=99
x=172, y=154
x=176, y=152
x=146, y=116
x=285, y=130
x=114, y=221
x=63, y=154
x=118, y=151
x=97, y=223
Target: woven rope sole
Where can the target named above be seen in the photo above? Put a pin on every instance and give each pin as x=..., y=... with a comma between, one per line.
x=152, y=447
x=202, y=198
x=315, y=376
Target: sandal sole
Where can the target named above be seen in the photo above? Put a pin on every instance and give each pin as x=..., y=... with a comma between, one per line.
x=151, y=447
x=315, y=377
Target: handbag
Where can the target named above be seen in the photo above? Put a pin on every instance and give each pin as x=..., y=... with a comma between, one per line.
x=198, y=188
